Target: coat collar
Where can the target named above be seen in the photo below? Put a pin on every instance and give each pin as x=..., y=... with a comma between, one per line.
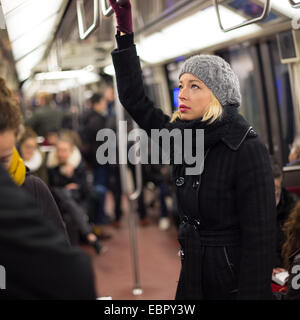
x=237, y=133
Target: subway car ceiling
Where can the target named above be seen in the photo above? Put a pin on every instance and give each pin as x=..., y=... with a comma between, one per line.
x=44, y=35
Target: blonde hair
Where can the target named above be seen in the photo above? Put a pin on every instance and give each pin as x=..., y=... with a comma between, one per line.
x=213, y=112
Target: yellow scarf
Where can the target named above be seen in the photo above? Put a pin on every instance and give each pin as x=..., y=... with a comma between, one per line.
x=17, y=168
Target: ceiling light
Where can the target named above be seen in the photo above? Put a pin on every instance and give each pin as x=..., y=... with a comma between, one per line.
x=25, y=65
x=30, y=25
x=81, y=76
x=193, y=33
x=284, y=7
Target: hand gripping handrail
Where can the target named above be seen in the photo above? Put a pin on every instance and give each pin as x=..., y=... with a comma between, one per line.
x=294, y=4
x=107, y=11
x=265, y=13
x=83, y=32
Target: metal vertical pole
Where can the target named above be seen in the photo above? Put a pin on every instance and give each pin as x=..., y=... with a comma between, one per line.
x=122, y=134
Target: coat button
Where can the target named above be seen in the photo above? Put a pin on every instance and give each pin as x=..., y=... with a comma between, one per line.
x=179, y=182
x=252, y=133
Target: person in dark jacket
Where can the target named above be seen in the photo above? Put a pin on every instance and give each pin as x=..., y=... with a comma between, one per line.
x=48, y=117
x=227, y=231
x=93, y=121
x=38, y=261
x=10, y=127
x=67, y=181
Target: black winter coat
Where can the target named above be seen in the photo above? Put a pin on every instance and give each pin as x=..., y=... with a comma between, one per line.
x=57, y=179
x=228, y=213
x=92, y=122
x=39, y=262
x=44, y=200
x=46, y=119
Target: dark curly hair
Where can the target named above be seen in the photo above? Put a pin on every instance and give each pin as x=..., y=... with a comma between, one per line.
x=291, y=229
x=10, y=113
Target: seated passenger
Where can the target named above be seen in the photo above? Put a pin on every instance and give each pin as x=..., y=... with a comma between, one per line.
x=285, y=202
x=38, y=260
x=10, y=127
x=291, y=255
x=67, y=180
x=33, y=157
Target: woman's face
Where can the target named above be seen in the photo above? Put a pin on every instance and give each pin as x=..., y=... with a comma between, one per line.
x=64, y=151
x=194, y=97
x=7, y=143
x=27, y=148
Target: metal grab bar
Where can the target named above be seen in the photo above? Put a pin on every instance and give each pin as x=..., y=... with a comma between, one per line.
x=265, y=13
x=138, y=176
x=107, y=10
x=294, y=4
x=122, y=134
x=83, y=33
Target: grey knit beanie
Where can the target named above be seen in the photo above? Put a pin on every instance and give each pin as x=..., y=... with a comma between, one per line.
x=217, y=74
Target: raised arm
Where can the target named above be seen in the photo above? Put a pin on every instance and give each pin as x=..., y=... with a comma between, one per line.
x=129, y=74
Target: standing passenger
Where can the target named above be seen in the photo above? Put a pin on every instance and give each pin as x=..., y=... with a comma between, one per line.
x=228, y=213
x=47, y=117
x=95, y=120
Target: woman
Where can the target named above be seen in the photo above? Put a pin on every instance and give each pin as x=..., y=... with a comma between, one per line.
x=291, y=255
x=10, y=129
x=67, y=181
x=33, y=158
x=228, y=212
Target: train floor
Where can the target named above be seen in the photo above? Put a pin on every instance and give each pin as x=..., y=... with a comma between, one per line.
x=158, y=262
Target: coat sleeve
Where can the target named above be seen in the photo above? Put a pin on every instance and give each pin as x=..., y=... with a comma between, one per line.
x=131, y=91
x=39, y=262
x=45, y=201
x=257, y=212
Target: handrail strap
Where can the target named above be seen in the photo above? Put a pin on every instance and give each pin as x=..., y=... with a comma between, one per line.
x=83, y=33
x=294, y=4
x=107, y=10
x=265, y=13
